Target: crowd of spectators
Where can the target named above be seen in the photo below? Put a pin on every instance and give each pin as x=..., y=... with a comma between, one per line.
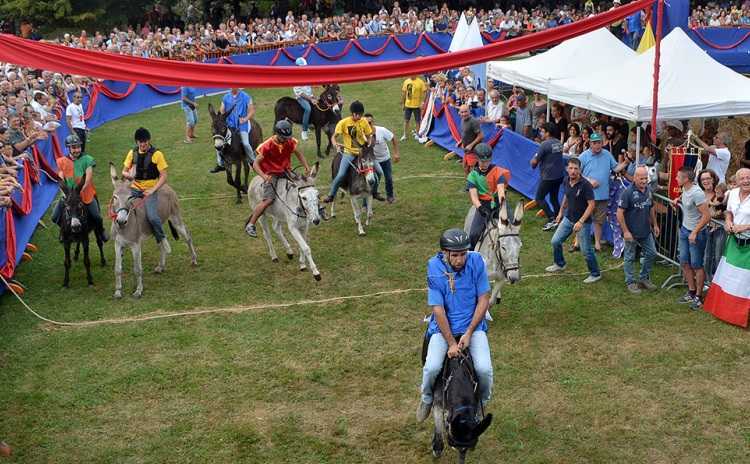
x=720, y=15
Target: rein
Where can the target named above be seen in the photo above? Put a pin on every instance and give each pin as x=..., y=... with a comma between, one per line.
x=112, y=213
x=496, y=248
x=449, y=415
x=301, y=204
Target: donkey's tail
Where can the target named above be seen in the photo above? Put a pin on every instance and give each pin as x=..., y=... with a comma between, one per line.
x=174, y=231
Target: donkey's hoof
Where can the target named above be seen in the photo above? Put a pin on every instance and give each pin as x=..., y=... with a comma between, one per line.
x=118, y=294
x=317, y=277
x=91, y=284
x=290, y=256
x=437, y=453
x=275, y=260
x=303, y=268
x=194, y=263
x=137, y=294
x=104, y=262
x=362, y=233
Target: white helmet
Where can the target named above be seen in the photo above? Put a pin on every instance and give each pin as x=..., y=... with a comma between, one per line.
x=300, y=61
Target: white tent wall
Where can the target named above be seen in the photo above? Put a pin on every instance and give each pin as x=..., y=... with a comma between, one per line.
x=468, y=36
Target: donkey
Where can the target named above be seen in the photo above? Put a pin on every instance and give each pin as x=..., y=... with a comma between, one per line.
x=326, y=112
x=130, y=227
x=500, y=246
x=457, y=409
x=75, y=226
x=229, y=144
x=359, y=182
x=296, y=204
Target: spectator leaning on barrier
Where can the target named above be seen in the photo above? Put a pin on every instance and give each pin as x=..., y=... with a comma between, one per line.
x=190, y=108
x=74, y=116
x=471, y=135
x=383, y=155
x=637, y=218
x=597, y=164
x=494, y=109
x=578, y=208
x=549, y=159
x=692, y=237
x=523, y=116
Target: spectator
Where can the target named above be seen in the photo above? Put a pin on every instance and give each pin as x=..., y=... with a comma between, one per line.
x=692, y=237
x=75, y=118
x=471, y=135
x=523, y=116
x=383, y=155
x=578, y=206
x=573, y=146
x=413, y=91
x=190, y=108
x=715, y=234
x=560, y=129
x=614, y=141
x=549, y=159
x=538, y=111
x=637, y=218
x=718, y=154
x=597, y=165
x=494, y=108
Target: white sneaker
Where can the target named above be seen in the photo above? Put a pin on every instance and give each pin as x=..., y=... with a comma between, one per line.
x=555, y=268
x=402, y=139
x=304, y=135
x=591, y=279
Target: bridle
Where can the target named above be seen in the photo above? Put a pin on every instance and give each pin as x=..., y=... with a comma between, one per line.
x=497, y=250
x=300, y=203
x=448, y=416
x=226, y=139
x=131, y=204
x=330, y=106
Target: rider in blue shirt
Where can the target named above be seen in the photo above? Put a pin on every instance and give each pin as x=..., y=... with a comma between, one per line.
x=242, y=110
x=459, y=294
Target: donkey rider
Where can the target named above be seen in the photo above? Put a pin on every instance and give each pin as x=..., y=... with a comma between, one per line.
x=78, y=171
x=305, y=98
x=242, y=111
x=355, y=133
x=146, y=166
x=273, y=160
x=459, y=294
x=486, y=184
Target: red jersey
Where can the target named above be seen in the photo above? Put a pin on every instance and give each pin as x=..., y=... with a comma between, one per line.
x=277, y=157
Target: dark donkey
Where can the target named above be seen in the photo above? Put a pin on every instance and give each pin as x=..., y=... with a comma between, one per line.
x=459, y=415
x=75, y=226
x=229, y=143
x=358, y=183
x=325, y=113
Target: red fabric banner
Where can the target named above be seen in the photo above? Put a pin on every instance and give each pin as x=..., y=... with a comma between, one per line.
x=677, y=160
x=10, y=245
x=104, y=65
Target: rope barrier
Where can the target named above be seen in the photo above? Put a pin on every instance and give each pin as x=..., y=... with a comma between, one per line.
x=242, y=309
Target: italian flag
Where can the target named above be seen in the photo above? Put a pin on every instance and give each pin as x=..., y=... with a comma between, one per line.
x=729, y=295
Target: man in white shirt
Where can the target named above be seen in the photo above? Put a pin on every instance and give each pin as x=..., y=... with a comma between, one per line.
x=305, y=98
x=74, y=116
x=718, y=154
x=383, y=155
x=495, y=107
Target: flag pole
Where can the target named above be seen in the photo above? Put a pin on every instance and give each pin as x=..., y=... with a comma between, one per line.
x=657, y=65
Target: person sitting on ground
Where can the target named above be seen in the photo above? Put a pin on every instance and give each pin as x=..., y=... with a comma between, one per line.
x=692, y=237
x=637, y=218
x=486, y=184
x=549, y=159
x=355, y=132
x=459, y=295
x=147, y=166
x=78, y=172
x=306, y=98
x=273, y=161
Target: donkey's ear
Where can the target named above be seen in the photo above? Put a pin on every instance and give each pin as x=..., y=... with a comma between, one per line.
x=211, y=110
x=113, y=173
x=479, y=430
x=314, y=170
x=63, y=187
x=503, y=211
x=518, y=214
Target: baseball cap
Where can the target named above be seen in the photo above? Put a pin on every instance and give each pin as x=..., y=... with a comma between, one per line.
x=595, y=137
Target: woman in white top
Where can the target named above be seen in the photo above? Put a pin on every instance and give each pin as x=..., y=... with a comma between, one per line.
x=738, y=207
x=573, y=146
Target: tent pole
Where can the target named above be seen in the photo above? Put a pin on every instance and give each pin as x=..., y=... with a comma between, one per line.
x=657, y=58
x=548, y=108
x=637, y=143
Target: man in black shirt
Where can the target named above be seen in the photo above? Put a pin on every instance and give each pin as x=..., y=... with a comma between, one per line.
x=578, y=206
x=560, y=130
x=549, y=159
x=615, y=143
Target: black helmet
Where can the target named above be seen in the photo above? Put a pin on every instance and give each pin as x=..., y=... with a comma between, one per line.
x=483, y=151
x=454, y=240
x=72, y=141
x=357, y=107
x=142, y=135
x=283, y=128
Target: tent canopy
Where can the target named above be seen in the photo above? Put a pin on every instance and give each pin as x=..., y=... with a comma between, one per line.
x=570, y=58
x=691, y=85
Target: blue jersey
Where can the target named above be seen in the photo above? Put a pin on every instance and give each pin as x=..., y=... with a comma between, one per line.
x=188, y=93
x=238, y=104
x=457, y=292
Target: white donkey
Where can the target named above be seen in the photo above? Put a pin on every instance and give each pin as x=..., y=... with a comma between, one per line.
x=130, y=227
x=296, y=204
x=500, y=247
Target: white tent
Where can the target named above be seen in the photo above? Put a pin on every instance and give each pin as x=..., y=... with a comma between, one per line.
x=691, y=85
x=598, y=48
x=468, y=36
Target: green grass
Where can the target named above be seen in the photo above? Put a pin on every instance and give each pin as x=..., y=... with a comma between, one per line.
x=582, y=373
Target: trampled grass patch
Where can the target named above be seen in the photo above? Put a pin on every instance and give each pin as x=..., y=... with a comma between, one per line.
x=582, y=373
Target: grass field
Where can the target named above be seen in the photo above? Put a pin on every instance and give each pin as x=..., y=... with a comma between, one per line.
x=582, y=373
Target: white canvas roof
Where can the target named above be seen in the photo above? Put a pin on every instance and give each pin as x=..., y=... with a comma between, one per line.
x=691, y=85
x=569, y=58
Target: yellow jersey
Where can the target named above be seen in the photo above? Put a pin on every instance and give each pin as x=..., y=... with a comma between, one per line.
x=157, y=159
x=414, y=90
x=354, y=133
